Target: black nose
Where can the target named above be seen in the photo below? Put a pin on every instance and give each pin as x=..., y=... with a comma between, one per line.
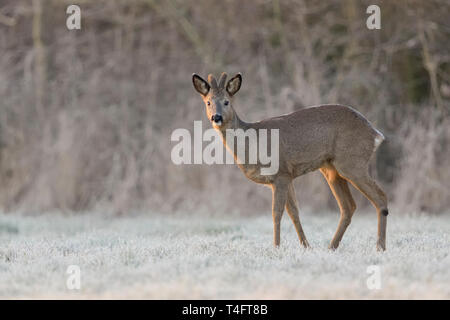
x=216, y=118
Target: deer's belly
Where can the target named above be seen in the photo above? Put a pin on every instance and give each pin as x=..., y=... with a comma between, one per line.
x=300, y=169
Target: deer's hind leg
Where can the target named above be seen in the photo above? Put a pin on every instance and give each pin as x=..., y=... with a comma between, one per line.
x=292, y=210
x=362, y=181
x=344, y=199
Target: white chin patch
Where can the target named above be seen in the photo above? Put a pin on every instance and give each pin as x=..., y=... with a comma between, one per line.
x=218, y=123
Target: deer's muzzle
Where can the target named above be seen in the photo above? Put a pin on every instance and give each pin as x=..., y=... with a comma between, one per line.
x=217, y=118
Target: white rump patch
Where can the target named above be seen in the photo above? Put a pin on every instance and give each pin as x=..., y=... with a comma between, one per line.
x=378, y=139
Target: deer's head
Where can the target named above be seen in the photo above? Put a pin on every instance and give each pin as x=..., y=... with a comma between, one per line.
x=218, y=97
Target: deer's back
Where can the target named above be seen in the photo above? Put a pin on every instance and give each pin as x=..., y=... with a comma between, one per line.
x=312, y=136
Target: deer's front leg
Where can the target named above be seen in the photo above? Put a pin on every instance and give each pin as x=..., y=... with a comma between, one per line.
x=292, y=210
x=279, y=197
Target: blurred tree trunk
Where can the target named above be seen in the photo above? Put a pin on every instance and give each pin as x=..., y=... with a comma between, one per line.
x=430, y=65
x=40, y=68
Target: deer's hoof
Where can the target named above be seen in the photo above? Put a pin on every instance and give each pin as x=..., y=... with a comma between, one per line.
x=305, y=244
x=381, y=247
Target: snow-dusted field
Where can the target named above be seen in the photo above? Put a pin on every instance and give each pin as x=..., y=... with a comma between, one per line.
x=175, y=257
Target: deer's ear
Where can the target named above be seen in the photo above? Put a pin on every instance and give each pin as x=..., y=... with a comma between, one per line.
x=200, y=84
x=234, y=84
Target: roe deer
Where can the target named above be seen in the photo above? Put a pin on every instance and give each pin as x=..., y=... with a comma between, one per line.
x=335, y=139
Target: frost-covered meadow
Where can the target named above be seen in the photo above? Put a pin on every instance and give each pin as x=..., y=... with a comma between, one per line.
x=175, y=257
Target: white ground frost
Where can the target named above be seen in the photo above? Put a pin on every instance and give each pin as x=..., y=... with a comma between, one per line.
x=173, y=257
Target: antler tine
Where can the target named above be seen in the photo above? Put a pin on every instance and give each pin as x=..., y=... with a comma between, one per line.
x=223, y=78
x=212, y=81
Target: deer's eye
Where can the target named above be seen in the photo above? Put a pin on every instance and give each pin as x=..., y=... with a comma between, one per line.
x=209, y=103
x=226, y=102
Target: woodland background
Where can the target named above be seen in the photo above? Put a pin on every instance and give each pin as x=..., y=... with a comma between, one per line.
x=86, y=115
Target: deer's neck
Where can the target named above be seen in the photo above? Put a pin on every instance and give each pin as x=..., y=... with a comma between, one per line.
x=235, y=124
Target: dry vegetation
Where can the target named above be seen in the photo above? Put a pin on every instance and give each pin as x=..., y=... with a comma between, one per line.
x=86, y=116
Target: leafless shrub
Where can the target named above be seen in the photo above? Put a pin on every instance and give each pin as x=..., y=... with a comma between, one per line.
x=423, y=184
